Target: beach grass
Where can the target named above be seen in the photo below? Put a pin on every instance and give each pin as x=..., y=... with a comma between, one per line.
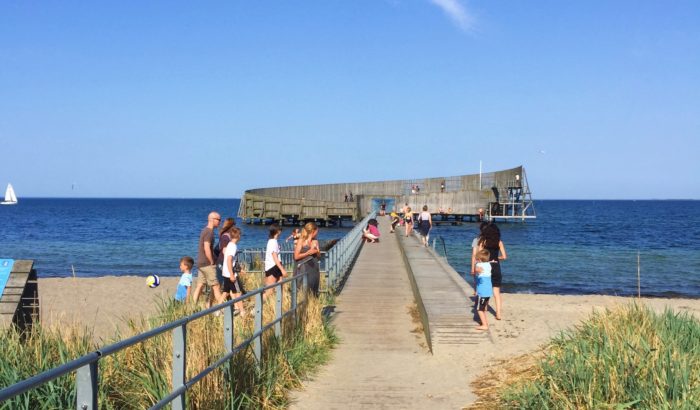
x=629, y=357
x=138, y=376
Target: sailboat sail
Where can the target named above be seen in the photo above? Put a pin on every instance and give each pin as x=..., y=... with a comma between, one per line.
x=10, y=196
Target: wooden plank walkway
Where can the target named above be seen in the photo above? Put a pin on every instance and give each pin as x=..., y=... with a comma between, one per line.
x=19, y=300
x=380, y=362
x=445, y=296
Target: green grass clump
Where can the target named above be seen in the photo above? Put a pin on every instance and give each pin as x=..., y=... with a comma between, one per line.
x=24, y=355
x=138, y=376
x=626, y=358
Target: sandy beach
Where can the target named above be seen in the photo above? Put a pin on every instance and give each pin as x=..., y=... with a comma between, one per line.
x=529, y=319
x=100, y=304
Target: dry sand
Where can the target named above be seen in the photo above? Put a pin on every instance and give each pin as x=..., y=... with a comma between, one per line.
x=100, y=304
x=529, y=320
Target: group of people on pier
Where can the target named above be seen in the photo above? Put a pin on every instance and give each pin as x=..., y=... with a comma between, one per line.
x=219, y=269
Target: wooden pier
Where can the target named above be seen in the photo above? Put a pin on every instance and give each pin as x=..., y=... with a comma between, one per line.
x=383, y=359
x=466, y=198
x=19, y=302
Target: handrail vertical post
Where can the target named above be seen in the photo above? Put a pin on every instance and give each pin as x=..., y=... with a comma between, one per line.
x=278, y=312
x=87, y=387
x=293, y=295
x=228, y=328
x=257, y=342
x=229, y=342
x=305, y=284
x=179, y=363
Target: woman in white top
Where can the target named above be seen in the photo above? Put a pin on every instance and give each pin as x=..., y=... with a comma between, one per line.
x=232, y=286
x=274, y=270
x=426, y=224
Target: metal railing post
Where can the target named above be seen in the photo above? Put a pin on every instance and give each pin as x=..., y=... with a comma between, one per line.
x=257, y=342
x=278, y=312
x=228, y=328
x=293, y=295
x=179, y=364
x=86, y=381
x=305, y=283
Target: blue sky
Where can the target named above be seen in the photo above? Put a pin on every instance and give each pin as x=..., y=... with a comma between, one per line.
x=597, y=99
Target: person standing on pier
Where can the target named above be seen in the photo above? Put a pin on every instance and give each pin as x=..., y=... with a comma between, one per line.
x=206, y=265
x=408, y=220
x=425, y=225
x=306, y=255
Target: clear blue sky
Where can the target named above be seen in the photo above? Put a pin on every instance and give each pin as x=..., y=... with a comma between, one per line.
x=597, y=99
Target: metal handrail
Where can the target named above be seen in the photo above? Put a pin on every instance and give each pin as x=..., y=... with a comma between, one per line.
x=337, y=261
x=437, y=238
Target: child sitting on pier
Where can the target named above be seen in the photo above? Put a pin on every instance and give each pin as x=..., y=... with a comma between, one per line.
x=484, y=290
x=371, y=232
x=182, y=294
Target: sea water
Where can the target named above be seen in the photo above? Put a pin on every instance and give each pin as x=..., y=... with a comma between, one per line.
x=573, y=247
x=591, y=247
x=97, y=237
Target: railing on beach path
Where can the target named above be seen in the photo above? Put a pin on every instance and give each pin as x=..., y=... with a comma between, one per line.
x=337, y=262
x=439, y=246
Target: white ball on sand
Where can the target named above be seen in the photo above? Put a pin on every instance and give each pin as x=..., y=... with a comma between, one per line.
x=152, y=281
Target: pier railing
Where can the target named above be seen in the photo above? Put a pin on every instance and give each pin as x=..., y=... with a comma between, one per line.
x=337, y=262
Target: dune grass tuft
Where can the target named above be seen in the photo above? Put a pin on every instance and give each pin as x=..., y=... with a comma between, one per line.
x=630, y=357
x=137, y=377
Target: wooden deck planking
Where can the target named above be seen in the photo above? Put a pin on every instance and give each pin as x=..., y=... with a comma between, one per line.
x=380, y=362
x=18, y=301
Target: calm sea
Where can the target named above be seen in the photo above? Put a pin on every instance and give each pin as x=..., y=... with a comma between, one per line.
x=573, y=247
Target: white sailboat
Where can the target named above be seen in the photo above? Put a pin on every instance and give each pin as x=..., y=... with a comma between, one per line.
x=10, y=197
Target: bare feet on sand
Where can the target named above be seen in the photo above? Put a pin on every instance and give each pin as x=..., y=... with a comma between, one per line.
x=482, y=328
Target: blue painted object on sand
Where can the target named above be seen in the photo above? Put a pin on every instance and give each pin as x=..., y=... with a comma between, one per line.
x=5, y=269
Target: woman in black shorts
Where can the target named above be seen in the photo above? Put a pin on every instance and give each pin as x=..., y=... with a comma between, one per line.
x=490, y=240
x=274, y=269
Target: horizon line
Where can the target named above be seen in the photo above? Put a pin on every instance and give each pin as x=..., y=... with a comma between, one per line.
x=221, y=198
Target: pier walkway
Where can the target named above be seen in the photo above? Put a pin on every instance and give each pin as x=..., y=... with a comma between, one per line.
x=382, y=360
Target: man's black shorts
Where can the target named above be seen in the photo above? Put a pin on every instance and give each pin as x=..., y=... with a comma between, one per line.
x=232, y=286
x=274, y=271
x=482, y=303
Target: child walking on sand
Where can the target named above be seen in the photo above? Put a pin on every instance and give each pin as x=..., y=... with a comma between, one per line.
x=484, y=290
x=182, y=294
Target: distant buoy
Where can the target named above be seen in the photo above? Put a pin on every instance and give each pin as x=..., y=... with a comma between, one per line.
x=153, y=281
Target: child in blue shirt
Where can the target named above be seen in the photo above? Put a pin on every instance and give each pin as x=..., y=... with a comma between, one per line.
x=182, y=294
x=484, y=290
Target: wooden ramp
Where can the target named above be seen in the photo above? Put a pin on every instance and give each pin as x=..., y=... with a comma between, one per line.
x=19, y=300
x=444, y=298
x=382, y=360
